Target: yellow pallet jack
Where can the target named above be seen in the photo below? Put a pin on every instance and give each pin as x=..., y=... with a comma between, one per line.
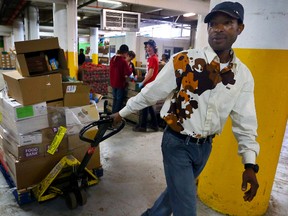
x=69, y=177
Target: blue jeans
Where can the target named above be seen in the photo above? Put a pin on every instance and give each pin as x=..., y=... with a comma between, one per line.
x=119, y=95
x=183, y=162
x=144, y=117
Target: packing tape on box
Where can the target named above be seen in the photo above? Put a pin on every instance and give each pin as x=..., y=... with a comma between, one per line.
x=57, y=140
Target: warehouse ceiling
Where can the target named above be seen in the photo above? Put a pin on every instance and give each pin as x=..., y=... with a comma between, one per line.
x=89, y=12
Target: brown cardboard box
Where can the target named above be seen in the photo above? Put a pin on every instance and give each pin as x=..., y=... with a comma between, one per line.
x=76, y=94
x=23, y=152
x=41, y=56
x=30, y=172
x=30, y=151
x=48, y=136
x=138, y=64
x=56, y=103
x=78, y=149
x=103, y=60
x=32, y=90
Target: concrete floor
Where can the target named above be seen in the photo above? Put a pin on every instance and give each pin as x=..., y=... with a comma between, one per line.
x=133, y=179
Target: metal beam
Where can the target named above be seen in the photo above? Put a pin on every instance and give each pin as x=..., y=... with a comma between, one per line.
x=196, y=6
x=51, y=1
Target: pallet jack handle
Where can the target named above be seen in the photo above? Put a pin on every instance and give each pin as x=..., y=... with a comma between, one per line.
x=103, y=125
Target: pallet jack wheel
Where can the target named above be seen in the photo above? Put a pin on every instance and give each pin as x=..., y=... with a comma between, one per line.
x=81, y=197
x=71, y=200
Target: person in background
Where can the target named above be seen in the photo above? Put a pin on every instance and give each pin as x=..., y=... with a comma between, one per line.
x=152, y=69
x=119, y=71
x=81, y=57
x=130, y=56
x=202, y=87
x=164, y=59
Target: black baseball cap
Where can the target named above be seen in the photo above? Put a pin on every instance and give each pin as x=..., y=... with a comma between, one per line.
x=124, y=48
x=151, y=43
x=233, y=9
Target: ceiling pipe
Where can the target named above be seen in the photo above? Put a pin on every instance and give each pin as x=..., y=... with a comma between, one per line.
x=18, y=9
x=86, y=3
x=50, y=29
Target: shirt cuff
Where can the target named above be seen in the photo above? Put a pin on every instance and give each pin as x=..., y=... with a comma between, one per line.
x=124, y=112
x=249, y=157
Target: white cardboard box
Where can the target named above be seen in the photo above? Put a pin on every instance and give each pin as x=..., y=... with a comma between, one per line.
x=78, y=117
x=22, y=139
x=19, y=112
x=26, y=125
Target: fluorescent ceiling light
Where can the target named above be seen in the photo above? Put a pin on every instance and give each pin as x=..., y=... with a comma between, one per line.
x=110, y=1
x=189, y=14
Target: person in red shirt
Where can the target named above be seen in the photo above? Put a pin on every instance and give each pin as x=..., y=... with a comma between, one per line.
x=119, y=70
x=152, y=69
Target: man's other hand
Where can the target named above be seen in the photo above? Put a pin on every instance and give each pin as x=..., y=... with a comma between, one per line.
x=249, y=177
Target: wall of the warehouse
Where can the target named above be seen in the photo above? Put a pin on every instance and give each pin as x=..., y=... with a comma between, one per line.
x=161, y=45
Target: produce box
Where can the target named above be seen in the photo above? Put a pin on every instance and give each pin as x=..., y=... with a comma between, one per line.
x=96, y=76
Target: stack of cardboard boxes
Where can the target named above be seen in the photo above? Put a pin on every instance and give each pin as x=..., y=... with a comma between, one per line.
x=7, y=60
x=35, y=105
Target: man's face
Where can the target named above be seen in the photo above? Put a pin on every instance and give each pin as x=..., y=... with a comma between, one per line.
x=223, y=31
x=125, y=55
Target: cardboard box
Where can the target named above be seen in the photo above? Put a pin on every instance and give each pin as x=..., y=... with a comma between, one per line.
x=138, y=64
x=76, y=94
x=103, y=60
x=30, y=172
x=33, y=90
x=40, y=56
x=56, y=103
x=29, y=151
x=26, y=125
x=23, y=152
x=19, y=112
x=56, y=116
x=78, y=149
x=22, y=139
x=78, y=117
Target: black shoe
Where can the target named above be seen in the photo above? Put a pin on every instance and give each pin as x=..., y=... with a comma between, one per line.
x=155, y=128
x=139, y=129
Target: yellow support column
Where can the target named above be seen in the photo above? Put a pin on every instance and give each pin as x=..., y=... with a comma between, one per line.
x=94, y=44
x=266, y=54
x=95, y=58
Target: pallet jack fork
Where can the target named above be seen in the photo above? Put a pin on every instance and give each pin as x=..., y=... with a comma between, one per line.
x=69, y=177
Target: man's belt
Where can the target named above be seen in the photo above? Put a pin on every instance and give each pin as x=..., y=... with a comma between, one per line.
x=191, y=139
